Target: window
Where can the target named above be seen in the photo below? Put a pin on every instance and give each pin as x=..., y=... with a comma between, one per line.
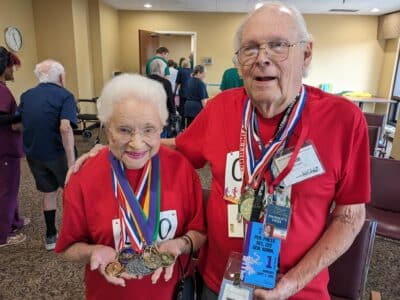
x=394, y=108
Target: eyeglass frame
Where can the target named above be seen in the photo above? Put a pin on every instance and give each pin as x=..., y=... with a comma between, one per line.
x=141, y=131
x=267, y=46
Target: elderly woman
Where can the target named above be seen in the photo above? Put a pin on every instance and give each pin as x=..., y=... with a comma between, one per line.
x=124, y=209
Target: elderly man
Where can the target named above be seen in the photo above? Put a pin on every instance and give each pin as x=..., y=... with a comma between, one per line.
x=48, y=111
x=257, y=137
x=273, y=53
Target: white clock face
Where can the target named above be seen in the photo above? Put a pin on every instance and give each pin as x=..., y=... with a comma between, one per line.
x=13, y=38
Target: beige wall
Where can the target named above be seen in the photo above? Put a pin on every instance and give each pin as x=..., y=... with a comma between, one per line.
x=346, y=52
x=55, y=36
x=109, y=31
x=80, y=13
x=178, y=45
x=19, y=14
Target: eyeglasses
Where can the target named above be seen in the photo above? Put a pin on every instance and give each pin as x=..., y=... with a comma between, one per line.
x=276, y=50
x=126, y=133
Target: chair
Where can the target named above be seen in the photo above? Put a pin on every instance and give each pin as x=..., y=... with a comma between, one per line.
x=92, y=119
x=385, y=196
x=373, y=136
x=379, y=121
x=348, y=274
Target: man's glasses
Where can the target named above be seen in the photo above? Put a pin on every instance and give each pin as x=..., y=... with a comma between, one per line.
x=146, y=133
x=276, y=50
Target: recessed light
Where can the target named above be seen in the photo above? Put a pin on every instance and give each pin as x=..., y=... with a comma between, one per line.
x=148, y=5
x=374, y=10
x=258, y=5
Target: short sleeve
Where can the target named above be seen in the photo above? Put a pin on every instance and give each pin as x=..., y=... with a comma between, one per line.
x=74, y=227
x=354, y=184
x=69, y=111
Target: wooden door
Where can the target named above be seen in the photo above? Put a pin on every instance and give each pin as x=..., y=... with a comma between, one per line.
x=148, y=43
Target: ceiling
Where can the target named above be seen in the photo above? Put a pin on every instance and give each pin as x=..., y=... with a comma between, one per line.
x=305, y=6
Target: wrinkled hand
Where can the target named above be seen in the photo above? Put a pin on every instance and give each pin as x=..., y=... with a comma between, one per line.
x=173, y=246
x=79, y=162
x=283, y=290
x=101, y=257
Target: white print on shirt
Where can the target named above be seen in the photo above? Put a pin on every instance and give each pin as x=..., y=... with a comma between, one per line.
x=167, y=228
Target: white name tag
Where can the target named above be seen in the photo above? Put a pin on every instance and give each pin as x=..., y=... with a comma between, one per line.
x=307, y=165
x=116, y=228
x=233, y=178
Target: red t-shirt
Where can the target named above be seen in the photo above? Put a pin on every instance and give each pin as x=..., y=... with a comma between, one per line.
x=90, y=207
x=339, y=133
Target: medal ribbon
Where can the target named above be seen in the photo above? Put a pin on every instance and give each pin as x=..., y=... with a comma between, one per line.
x=254, y=169
x=139, y=212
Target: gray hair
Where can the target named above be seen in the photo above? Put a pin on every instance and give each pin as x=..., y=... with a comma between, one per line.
x=49, y=71
x=157, y=67
x=133, y=87
x=298, y=17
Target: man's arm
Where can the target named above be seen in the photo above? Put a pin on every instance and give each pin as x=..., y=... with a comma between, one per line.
x=67, y=136
x=347, y=221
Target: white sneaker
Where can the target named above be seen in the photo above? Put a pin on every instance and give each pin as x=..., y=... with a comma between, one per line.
x=14, y=240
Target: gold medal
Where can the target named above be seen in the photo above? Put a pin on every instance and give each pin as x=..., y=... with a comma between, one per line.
x=114, y=268
x=246, y=204
x=151, y=258
x=167, y=259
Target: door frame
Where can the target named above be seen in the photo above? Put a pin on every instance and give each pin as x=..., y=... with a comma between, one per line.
x=193, y=40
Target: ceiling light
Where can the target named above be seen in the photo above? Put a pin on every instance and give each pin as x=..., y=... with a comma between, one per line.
x=148, y=5
x=258, y=5
x=375, y=10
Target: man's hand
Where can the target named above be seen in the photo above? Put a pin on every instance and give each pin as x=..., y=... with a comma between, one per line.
x=79, y=162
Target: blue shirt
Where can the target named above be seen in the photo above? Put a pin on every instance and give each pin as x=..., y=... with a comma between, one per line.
x=197, y=91
x=182, y=78
x=42, y=108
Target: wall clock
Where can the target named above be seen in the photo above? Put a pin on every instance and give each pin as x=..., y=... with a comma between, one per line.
x=13, y=38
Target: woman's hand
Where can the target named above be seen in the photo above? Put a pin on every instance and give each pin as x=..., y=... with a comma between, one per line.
x=283, y=290
x=79, y=162
x=175, y=247
x=103, y=255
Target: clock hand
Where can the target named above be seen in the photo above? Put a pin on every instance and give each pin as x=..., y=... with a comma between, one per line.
x=15, y=40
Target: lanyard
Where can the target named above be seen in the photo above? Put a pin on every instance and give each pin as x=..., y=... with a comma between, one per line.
x=139, y=212
x=253, y=169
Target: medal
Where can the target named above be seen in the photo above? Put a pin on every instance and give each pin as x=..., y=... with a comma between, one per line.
x=137, y=266
x=114, y=268
x=167, y=259
x=246, y=204
x=125, y=255
x=152, y=258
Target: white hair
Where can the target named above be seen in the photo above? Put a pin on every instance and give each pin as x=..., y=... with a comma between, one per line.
x=132, y=87
x=157, y=67
x=298, y=17
x=49, y=71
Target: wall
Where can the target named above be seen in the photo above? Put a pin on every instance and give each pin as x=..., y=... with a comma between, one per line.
x=346, y=51
x=19, y=14
x=178, y=45
x=109, y=34
x=80, y=13
x=55, y=36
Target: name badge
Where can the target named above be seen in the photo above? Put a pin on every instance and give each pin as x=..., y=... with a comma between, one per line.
x=277, y=214
x=233, y=178
x=307, y=165
x=235, y=224
x=260, y=257
x=232, y=287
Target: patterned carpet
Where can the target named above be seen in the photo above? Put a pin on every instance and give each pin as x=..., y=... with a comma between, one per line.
x=28, y=271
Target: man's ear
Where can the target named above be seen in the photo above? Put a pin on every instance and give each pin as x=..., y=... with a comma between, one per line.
x=307, y=55
x=62, y=80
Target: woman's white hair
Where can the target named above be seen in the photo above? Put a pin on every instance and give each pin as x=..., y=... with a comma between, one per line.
x=132, y=87
x=301, y=25
x=49, y=71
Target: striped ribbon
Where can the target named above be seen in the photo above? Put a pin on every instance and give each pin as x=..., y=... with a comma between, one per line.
x=139, y=212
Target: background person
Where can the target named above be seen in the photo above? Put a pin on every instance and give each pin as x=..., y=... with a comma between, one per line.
x=10, y=156
x=48, y=113
x=182, y=81
x=162, y=56
x=196, y=95
x=133, y=110
x=231, y=79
